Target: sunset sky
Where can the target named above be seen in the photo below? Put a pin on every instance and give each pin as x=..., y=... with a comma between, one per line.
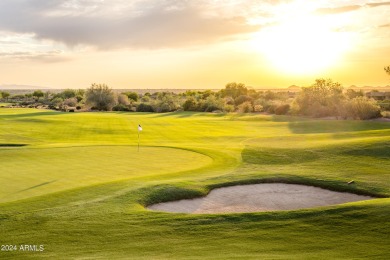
x=193, y=44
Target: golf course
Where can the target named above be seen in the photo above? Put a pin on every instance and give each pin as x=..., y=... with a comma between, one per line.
x=79, y=184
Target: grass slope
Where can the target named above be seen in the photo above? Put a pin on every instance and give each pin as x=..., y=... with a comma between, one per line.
x=78, y=186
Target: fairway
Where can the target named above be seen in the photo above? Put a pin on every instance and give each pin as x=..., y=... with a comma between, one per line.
x=77, y=184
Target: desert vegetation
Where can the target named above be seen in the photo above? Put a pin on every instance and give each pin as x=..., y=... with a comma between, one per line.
x=324, y=98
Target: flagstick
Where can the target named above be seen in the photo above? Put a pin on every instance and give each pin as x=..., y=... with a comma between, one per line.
x=138, y=140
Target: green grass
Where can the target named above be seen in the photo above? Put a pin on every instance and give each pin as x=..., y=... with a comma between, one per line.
x=76, y=183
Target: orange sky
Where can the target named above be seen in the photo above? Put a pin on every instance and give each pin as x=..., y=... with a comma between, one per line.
x=193, y=44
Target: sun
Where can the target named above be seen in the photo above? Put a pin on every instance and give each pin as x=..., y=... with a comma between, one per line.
x=302, y=46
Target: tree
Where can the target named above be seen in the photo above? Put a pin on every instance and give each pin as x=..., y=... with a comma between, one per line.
x=4, y=95
x=234, y=90
x=241, y=99
x=132, y=95
x=211, y=103
x=38, y=94
x=387, y=69
x=100, y=96
x=190, y=104
x=68, y=93
x=166, y=102
x=323, y=98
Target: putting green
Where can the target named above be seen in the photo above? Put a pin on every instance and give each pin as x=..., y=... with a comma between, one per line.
x=36, y=171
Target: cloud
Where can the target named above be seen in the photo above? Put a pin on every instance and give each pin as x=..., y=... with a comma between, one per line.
x=348, y=8
x=137, y=24
x=378, y=4
x=337, y=10
x=50, y=56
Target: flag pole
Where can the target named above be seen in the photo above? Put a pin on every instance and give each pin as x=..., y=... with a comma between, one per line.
x=139, y=130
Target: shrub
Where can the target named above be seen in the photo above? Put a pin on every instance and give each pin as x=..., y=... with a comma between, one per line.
x=121, y=107
x=71, y=110
x=384, y=104
x=258, y=108
x=241, y=99
x=100, y=96
x=190, y=104
x=70, y=102
x=132, y=95
x=320, y=99
x=282, y=109
x=229, y=101
x=386, y=114
x=166, y=103
x=142, y=107
x=245, y=107
x=145, y=98
x=123, y=100
x=78, y=107
x=234, y=90
x=211, y=103
x=362, y=108
x=228, y=108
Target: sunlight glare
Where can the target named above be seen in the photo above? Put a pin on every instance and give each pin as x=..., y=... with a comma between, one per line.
x=302, y=46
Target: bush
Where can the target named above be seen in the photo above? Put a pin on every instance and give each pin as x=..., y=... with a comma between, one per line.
x=70, y=102
x=100, y=96
x=144, y=108
x=228, y=108
x=145, y=98
x=320, y=99
x=123, y=100
x=386, y=114
x=229, y=101
x=78, y=107
x=132, y=95
x=121, y=107
x=362, y=108
x=241, y=99
x=258, y=108
x=166, y=102
x=71, y=110
x=211, y=103
x=190, y=105
x=384, y=104
x=234, y=90
x=282, y=109
x=245, y=107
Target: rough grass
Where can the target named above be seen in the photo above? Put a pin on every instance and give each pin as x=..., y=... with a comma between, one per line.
x=79, y=187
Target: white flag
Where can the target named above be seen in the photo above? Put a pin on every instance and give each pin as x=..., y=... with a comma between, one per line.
x=139, y=128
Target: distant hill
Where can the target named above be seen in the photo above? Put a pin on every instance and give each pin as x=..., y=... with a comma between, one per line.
x=15, y=87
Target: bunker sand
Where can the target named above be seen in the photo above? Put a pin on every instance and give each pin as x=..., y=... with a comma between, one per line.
x=259, y=198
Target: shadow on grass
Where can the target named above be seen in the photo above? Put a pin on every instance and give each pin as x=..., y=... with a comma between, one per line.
x=267, y=156
x=12, y=145
x=184, y=114
x=315, y=126
x=37, y=114
x=37, y=186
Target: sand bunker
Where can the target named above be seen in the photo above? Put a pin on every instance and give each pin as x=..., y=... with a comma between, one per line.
x=259, y=197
